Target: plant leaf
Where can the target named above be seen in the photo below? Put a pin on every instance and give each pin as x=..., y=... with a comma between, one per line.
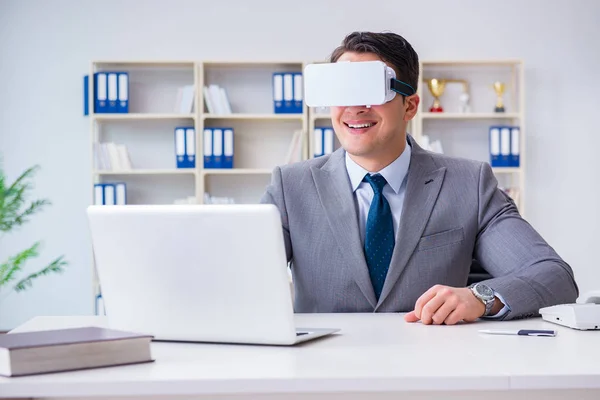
x=15, y=263
x=12, y=199
x=55, y=266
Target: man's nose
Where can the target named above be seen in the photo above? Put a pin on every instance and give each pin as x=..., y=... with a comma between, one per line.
x=356, y=109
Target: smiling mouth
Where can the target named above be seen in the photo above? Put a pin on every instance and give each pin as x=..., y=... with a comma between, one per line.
x=360, y=127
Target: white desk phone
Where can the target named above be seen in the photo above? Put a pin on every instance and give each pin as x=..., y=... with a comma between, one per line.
x=582, y=315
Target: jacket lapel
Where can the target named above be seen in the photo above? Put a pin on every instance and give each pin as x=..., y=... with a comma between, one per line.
x=424, y=181
x=335, y=193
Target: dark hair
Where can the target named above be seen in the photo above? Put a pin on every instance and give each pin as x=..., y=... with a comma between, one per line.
x=390, y=47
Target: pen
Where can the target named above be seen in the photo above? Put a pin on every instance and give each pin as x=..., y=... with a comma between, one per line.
x=521, y=332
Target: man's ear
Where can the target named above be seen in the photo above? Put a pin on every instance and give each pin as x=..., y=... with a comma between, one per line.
x=411, y=105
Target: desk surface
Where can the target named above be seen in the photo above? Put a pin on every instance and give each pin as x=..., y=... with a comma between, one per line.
x=373, y=352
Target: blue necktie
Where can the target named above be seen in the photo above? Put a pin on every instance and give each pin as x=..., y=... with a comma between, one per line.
x=379, y=234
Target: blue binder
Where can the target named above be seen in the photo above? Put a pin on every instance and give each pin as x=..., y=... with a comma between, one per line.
x=494, y=146
x=228, y=148
x=288, y=92
x=99, y=194
x=217, y=150
x=190, y=147
x=123, y=92
x=278, y=93
x=504, y=146
x=180, y=159
x=318, y=148
x=515, y=146
x=86, y=105
x=207, y=147
x=112, y=92
x=328, y=140
x=110, y=194
x=297, y=107
x=100, y=93
x=120, y=193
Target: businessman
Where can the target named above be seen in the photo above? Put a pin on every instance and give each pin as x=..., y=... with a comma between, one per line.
x=381, y=225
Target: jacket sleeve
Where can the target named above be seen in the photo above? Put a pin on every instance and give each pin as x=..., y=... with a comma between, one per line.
x=274, y=194
x=527, y=272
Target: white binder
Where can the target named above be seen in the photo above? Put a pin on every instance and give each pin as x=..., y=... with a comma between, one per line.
x=190, y=147
x=99, y=194
x=112, y=92
x=109, y=194
x=207, y=148
x=328, y=141
x=180, y=147
x=318, y=135
x=120, y=193
x=218, y=148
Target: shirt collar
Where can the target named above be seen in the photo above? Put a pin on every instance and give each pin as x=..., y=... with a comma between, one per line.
x=394, y=173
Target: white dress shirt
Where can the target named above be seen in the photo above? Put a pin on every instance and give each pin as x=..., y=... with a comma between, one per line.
x=395, y=174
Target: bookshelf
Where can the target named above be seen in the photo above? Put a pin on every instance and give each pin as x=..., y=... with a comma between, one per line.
x=466, y=134
x=261, y=137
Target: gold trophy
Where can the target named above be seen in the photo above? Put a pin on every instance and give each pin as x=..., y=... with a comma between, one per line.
x=499, y=88
x=436, y=88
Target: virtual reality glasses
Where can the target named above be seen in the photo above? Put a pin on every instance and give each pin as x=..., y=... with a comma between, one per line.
x=364, y=83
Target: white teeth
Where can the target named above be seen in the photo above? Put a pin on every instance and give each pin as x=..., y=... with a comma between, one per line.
x=361, y=126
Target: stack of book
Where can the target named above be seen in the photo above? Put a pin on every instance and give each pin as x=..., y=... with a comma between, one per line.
x=110, y=90
x=218, y=147
x=505, y=146
x=111, y=157
x=288, y=93
x=29, y=353
x=216, y=100
x=110, y=194
x=185, y=147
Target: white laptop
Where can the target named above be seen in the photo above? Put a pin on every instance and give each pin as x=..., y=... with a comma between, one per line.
x=200, y=273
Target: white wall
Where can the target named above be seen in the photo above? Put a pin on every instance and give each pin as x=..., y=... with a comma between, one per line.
x=46, y=47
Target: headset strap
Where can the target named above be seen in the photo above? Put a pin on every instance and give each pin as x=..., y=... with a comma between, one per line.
x=402, y=87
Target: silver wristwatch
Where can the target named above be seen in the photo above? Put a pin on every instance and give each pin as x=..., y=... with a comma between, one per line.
x=485, y=294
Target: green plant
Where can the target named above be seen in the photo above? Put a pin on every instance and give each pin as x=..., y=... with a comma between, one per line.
x=14, y=212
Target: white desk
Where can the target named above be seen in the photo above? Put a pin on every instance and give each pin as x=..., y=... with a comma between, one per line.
x=375, y=356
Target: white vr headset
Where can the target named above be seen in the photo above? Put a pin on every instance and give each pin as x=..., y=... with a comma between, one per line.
x=363, y=83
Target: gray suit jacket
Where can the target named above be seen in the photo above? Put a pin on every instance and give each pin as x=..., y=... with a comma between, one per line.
x=453, y=213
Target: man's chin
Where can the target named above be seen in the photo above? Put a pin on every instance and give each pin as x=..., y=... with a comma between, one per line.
x=357, y=151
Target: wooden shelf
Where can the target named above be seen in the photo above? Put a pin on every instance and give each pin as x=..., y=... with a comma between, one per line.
x=251, y=64
x=141, y=116
x=507, y=170
x=314, y=117
x=182, y=171
x=265, y=117
x=238, y=171
x=144, y=63
x=469, y=116
x=476, y=63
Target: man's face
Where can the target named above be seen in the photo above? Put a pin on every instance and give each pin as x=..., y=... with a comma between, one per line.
x=378, y=132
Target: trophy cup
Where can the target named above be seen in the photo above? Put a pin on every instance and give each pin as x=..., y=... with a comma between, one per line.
x=499, y=88
x=436, y=88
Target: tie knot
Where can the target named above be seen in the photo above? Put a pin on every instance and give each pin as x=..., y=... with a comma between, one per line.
x=376, y=181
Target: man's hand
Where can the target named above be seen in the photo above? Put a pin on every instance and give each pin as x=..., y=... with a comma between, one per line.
x=448, y=305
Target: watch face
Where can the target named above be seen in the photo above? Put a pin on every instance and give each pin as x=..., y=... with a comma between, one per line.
x=485, y=291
